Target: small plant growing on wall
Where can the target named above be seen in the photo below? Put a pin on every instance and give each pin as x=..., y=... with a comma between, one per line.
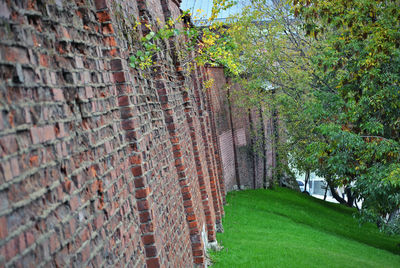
x=201, y=45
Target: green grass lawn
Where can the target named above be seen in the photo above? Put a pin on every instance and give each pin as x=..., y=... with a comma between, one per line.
x=283, y=228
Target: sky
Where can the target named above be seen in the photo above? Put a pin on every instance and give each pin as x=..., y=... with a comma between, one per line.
x=206, y=6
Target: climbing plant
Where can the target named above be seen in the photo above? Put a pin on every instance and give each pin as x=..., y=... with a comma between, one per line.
x=208, y=44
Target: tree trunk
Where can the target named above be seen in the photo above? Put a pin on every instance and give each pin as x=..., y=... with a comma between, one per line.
x=233, y=141
x=393, y=215
x=264, y=151
x=335, y=194
x=252, y=154
x=350, y=197
x=275, y=130
x=326, y=192
x=356, y=205
x=306, y=179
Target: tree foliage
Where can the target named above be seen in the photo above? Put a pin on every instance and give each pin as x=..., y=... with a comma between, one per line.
x=360, y=63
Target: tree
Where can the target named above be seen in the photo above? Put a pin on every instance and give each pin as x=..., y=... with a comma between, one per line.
x=360, y=61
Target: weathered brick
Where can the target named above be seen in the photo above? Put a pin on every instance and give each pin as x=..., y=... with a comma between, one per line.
x=58, y=94
x=137, y=171
x=48, y=133
x=74, y=203
x=100, y=4
x=123, y=101
x=30, y=238
x=36, y=134
x=16, y=54
x=43, y=60
x=111, y=42
x=54, y=243
x=148, y=239
x=198, y=252
x=103, y=16
x=143, y=205
x=119, y=77
x=144, y=216
x=11, y=249
x=151, y=251
x=85, y=253
x=191, y=217
x=15, y=166
x=116, y=65
x=153, y=263
x=98, y=222
x=6, y=170
x=199, y=260
x=108, y=29
x=3, y=229
x=142, y=193
x=140, y=182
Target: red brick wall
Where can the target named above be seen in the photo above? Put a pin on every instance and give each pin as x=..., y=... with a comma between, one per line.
x=237, y=137
x=222, y=127
x=101, y=164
